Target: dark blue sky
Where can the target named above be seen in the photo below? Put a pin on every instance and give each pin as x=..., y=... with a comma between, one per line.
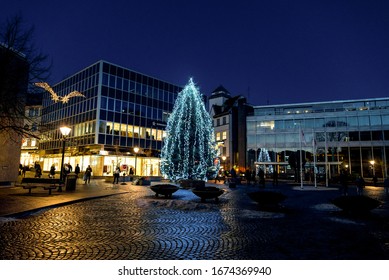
x=273, y=52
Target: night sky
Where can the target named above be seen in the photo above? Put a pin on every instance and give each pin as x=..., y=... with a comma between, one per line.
x=272, y=52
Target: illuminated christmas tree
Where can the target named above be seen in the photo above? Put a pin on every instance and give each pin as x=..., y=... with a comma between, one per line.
x=264, y=157
x=189, y=147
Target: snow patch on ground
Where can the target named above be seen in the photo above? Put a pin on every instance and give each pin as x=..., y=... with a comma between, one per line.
x=176, y=204
x=325, y=207
x=252, y=214
x=4, y=220
x=346, y=221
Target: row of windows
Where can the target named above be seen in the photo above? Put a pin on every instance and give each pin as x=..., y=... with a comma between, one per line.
x=128, y=86
x=106, y=139
x=123, y=107
x=331, y=122
x=72, y=142
x=87, y=76
x=220, y=121
x=131, y=97
x=220, y=136
x=280, y=139
x=132, y=131
x=82, y=86
x=33, y=112
x=84, y=128
x=29, y=142
x=70, y=110
x=139, y=78
x=320, y=108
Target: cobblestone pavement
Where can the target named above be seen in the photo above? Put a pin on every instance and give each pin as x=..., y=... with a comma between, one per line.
x=138, y=225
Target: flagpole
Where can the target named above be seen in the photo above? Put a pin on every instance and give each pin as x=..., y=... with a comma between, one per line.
x=301, y=159
x=314, y=157
x=326, y=160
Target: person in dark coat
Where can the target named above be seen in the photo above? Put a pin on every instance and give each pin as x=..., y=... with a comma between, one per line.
x=116, y=175
x=77, y=170
x=360, y=182
x=88, y=174
x=343, y=178
x=261, y=175
x=52, y=171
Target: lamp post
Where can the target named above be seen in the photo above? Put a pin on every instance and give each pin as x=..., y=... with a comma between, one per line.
x=65, y=130
x=136, y=150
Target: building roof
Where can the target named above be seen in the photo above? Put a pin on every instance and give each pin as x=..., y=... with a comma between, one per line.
x=227, y=105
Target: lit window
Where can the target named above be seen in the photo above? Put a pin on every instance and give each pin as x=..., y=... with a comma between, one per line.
x=224, y=136
x=218, y=136
x=267, y=124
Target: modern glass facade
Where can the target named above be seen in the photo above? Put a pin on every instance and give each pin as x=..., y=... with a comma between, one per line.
x=351, y=135
x=122, y=109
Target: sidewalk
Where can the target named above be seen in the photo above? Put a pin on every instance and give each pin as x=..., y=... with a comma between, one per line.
x=16, y=200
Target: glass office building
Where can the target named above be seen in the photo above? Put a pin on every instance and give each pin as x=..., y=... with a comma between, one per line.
x=122, y=109
x=350, y=135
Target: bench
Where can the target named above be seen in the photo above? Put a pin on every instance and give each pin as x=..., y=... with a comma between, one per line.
x=47, y=184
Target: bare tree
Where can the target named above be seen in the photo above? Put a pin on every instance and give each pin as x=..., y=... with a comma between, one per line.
x=20, y=65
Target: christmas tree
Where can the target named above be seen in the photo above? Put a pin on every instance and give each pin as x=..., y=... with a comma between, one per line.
x=264, y=157
x=189, y=148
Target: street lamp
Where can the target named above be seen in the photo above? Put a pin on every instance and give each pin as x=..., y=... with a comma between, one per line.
x=65, y=130
x=224, y=162
x=136, y=150
x=372, y=162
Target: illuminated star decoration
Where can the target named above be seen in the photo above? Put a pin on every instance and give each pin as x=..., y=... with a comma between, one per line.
x=189, y=149
x=55, y=97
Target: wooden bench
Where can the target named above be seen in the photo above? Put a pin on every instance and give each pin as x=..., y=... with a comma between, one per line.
x=47, y=184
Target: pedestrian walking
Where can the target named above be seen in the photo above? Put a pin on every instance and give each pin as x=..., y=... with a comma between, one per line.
x=253, y=176
x=343, y=178
x=52, y=171
x=261, y=175
x=77, y=170
x=88, y=174
x=248, y=176
x=275, y=178
x=116, y=175
x=25, y=168
x=38, y=170
x=386, y=186
x=360, y=183
x=66, y=170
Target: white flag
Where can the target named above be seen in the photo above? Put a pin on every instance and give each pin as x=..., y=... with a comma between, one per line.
x=303, y=137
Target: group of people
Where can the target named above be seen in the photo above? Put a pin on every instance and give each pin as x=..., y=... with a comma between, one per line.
x=77, y=170
x=25, y=168
x=252, y=176
x=68, y=168
x=359, y=183
x=116, y=174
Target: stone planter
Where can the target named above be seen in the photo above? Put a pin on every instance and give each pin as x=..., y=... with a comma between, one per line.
x=358, y=204
x=164, y=189
x=267, y=198
x=208, y=193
